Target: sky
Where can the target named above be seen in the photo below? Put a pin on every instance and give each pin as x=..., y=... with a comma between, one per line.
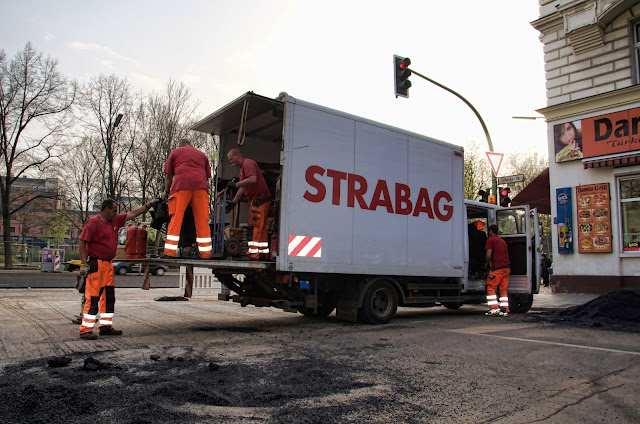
x=337, y=54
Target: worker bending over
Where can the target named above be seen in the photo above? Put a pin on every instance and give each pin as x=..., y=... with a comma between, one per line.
x=252, y=184
x=186, y=183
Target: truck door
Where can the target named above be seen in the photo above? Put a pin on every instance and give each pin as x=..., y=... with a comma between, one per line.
x=515, y=227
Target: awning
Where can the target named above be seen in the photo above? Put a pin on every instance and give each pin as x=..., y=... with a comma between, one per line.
x=536, y=194
x=612, y=160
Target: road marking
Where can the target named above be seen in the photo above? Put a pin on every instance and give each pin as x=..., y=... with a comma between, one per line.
x=485, y=331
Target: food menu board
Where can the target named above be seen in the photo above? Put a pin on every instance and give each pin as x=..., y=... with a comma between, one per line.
x=594, y=218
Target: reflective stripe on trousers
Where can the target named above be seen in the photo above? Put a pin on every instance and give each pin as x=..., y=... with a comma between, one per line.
x=99, y=297
x=501, y=282
x=178, y=202
x=258, y=242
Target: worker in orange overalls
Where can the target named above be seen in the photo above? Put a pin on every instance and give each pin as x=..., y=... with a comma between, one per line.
x=252, y=184
x=187, y=171
x=497, y=261
x=98, y=245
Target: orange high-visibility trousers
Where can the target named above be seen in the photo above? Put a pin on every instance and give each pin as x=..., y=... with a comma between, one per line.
x=99, y=295
x=500, y=281
x=178, y=202
x=258, y=239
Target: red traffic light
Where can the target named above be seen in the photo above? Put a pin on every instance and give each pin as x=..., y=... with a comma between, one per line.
x=505, y=191
x=405, y=63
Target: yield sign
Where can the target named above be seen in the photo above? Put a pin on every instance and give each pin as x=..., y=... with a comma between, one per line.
x=493, y=159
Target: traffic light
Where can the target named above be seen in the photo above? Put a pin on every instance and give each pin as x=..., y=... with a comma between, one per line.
x=505, y=200
x=484, y=195
x=401, y=73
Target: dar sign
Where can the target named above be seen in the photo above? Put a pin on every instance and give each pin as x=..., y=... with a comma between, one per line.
x=493, y=158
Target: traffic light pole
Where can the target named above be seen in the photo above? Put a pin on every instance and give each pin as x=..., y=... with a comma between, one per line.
x=494, y=180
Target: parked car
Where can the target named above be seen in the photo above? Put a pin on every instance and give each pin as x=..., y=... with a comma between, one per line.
x=122, y=268
x=72, y=265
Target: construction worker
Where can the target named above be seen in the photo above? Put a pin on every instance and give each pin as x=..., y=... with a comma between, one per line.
x=98, y=245
x=252, y=184
x=497, y=261
x=187, y=171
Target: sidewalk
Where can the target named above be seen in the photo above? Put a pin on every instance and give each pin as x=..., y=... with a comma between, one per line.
x=548, y=300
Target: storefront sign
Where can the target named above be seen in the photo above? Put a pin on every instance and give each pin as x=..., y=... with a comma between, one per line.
x=594, y=218
x=564, y=208
x=614, y=133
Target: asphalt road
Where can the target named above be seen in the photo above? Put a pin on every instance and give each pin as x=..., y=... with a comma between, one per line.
x=205, y=360
x=37, y=279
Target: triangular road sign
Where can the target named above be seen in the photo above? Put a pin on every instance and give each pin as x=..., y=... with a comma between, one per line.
x=493, y=159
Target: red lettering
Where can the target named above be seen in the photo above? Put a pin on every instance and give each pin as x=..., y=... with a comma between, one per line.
x=313, y=182
x=337, y=176
x=448, y=208
x=381, y=197
x=354, y=193
x=423, y=204
x=403, y=203
x=357, y=189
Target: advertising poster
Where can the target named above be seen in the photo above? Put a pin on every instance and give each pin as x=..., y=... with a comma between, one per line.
x=567, y=141
x=594, y=218
x=564, y=208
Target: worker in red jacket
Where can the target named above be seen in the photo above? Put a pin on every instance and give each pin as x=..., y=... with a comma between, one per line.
x=252, y=184
x=497, y=261
x=98, y=245
x=186, y=181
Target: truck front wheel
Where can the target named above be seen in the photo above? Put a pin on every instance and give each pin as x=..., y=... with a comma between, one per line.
x=520, y=303
x=380, y=303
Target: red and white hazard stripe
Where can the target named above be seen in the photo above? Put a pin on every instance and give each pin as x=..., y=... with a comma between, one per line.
x=310, y=247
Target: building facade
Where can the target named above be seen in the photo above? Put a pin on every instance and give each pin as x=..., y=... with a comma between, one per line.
x=592, y=66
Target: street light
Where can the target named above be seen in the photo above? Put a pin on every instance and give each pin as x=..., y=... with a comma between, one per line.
x=494, y=179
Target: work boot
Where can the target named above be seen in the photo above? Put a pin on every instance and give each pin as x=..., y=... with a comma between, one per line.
x=108, y=330
x=504, y=314
x=88, y=336
x=493, y=312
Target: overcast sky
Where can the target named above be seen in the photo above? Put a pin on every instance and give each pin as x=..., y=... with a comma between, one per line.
x=338, y=54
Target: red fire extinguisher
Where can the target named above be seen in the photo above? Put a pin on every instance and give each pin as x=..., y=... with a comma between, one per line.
x=136, y=247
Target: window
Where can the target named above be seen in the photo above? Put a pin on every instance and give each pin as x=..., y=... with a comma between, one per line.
x=636, y=50
x=511, y=222
x=630, y=212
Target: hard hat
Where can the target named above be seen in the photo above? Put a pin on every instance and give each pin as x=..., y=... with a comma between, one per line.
x=479, y=225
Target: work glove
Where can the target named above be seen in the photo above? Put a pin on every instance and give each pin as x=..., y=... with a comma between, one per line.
x=230, y=206
x=84, y=269
x=163, y=196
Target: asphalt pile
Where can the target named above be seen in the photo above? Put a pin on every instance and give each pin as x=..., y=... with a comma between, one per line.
x=616, y=310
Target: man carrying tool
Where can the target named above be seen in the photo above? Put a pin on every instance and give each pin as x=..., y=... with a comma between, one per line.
x=497, y=260
x=252, y=184
x=187, y=172
x=98, y=245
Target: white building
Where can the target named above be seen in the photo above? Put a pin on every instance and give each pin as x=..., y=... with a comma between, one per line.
x=592, y=65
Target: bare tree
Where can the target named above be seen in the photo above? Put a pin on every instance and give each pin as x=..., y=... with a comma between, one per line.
x=477, y=171
x=35, y=105
x=80, y=173
x=110, y=118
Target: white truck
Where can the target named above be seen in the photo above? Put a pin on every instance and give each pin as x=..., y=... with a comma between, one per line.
x=365, y=217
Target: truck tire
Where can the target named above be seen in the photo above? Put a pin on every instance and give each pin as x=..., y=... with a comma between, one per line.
x=323, y=311
x=520, y=303
x=380, y=303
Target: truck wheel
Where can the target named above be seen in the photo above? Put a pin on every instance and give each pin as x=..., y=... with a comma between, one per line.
x=520, y=303
x=323, y=311
x=232, y=247
x=380, y=303
x=452, y=305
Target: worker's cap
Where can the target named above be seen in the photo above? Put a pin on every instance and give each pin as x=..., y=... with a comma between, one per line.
x=479, y=225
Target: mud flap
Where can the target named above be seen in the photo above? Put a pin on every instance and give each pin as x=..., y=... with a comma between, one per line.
x=347, y=308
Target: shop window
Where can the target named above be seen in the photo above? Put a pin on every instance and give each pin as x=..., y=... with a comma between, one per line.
x=630, y=212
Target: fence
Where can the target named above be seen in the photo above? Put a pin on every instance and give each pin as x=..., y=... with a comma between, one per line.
x=23, y=254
